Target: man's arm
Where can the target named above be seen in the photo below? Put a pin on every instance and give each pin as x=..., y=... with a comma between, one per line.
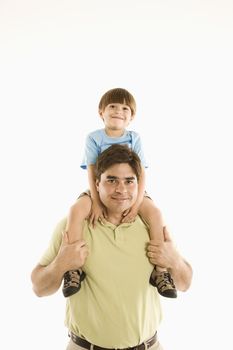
x=166, y=255
x=46, y=280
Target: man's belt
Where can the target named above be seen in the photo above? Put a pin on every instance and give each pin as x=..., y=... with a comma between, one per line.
x=85, y=344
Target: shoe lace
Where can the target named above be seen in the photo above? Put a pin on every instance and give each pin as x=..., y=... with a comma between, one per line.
x=71, y=278
x=168, y=279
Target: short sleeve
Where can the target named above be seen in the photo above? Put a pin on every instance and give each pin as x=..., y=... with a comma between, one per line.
x=54, y=245
x=137, y=148
x=91, y=152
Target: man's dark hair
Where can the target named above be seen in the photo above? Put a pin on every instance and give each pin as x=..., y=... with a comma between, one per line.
x=117, y=154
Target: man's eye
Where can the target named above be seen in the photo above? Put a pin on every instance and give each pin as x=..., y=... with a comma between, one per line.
x=111, y=181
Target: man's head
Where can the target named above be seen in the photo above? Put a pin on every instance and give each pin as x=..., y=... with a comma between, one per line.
x=118, y=170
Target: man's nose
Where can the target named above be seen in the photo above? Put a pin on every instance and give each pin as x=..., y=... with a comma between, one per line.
x=120, y=187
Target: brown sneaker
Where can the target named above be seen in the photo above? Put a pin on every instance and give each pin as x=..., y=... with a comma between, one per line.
x=164, y=283
x=72, y=282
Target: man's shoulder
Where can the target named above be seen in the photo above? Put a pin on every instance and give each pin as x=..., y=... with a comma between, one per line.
x=140, y=222
x=60, y=228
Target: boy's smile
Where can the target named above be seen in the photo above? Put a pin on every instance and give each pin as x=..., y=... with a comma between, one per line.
x=116, y=117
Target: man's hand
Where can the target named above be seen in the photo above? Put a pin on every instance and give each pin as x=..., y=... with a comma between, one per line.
x=46, y=280
x=166, y=255
x=71, y=256
x=163, y=254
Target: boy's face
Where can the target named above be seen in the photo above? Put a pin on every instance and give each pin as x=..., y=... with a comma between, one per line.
x=116, y=116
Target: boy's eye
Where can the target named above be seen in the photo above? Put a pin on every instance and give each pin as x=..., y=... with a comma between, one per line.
x=126, y=108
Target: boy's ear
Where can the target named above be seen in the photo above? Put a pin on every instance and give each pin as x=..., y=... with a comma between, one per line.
x=101, y=113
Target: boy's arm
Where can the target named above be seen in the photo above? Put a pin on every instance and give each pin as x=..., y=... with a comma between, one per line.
x=141, y=188
x=97, y=210
x=92, y=185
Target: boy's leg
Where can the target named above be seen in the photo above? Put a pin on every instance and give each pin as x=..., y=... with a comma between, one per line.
x=160, y=277
x=78, y=213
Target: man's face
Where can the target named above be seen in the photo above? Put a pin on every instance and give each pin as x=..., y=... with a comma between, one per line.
x=118, y=188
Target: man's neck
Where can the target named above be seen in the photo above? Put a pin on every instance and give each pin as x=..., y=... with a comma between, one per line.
x=114, y=218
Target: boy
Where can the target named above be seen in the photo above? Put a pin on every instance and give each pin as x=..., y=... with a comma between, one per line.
x=117, y=109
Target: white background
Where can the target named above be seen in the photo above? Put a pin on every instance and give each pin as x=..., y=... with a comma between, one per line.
x=57, y=58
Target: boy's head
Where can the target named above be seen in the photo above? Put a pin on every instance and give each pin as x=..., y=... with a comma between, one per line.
x=118, y=154
x=118, y=95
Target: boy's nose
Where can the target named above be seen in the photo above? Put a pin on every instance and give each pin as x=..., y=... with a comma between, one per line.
x=118, y=109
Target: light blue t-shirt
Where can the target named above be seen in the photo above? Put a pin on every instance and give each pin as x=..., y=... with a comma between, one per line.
x=98, y=141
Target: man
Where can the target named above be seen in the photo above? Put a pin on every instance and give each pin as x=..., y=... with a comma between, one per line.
x=116, y=307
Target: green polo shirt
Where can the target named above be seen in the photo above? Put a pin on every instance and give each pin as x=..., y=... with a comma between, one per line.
x=116, y=306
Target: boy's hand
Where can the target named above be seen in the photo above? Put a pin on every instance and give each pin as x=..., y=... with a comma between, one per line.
x=130, y=214
x=98, y=212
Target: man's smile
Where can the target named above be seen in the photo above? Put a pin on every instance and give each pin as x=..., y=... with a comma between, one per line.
x=120, y=198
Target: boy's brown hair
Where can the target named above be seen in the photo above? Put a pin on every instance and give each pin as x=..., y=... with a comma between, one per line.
x=118, y=95
x=117, y=154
